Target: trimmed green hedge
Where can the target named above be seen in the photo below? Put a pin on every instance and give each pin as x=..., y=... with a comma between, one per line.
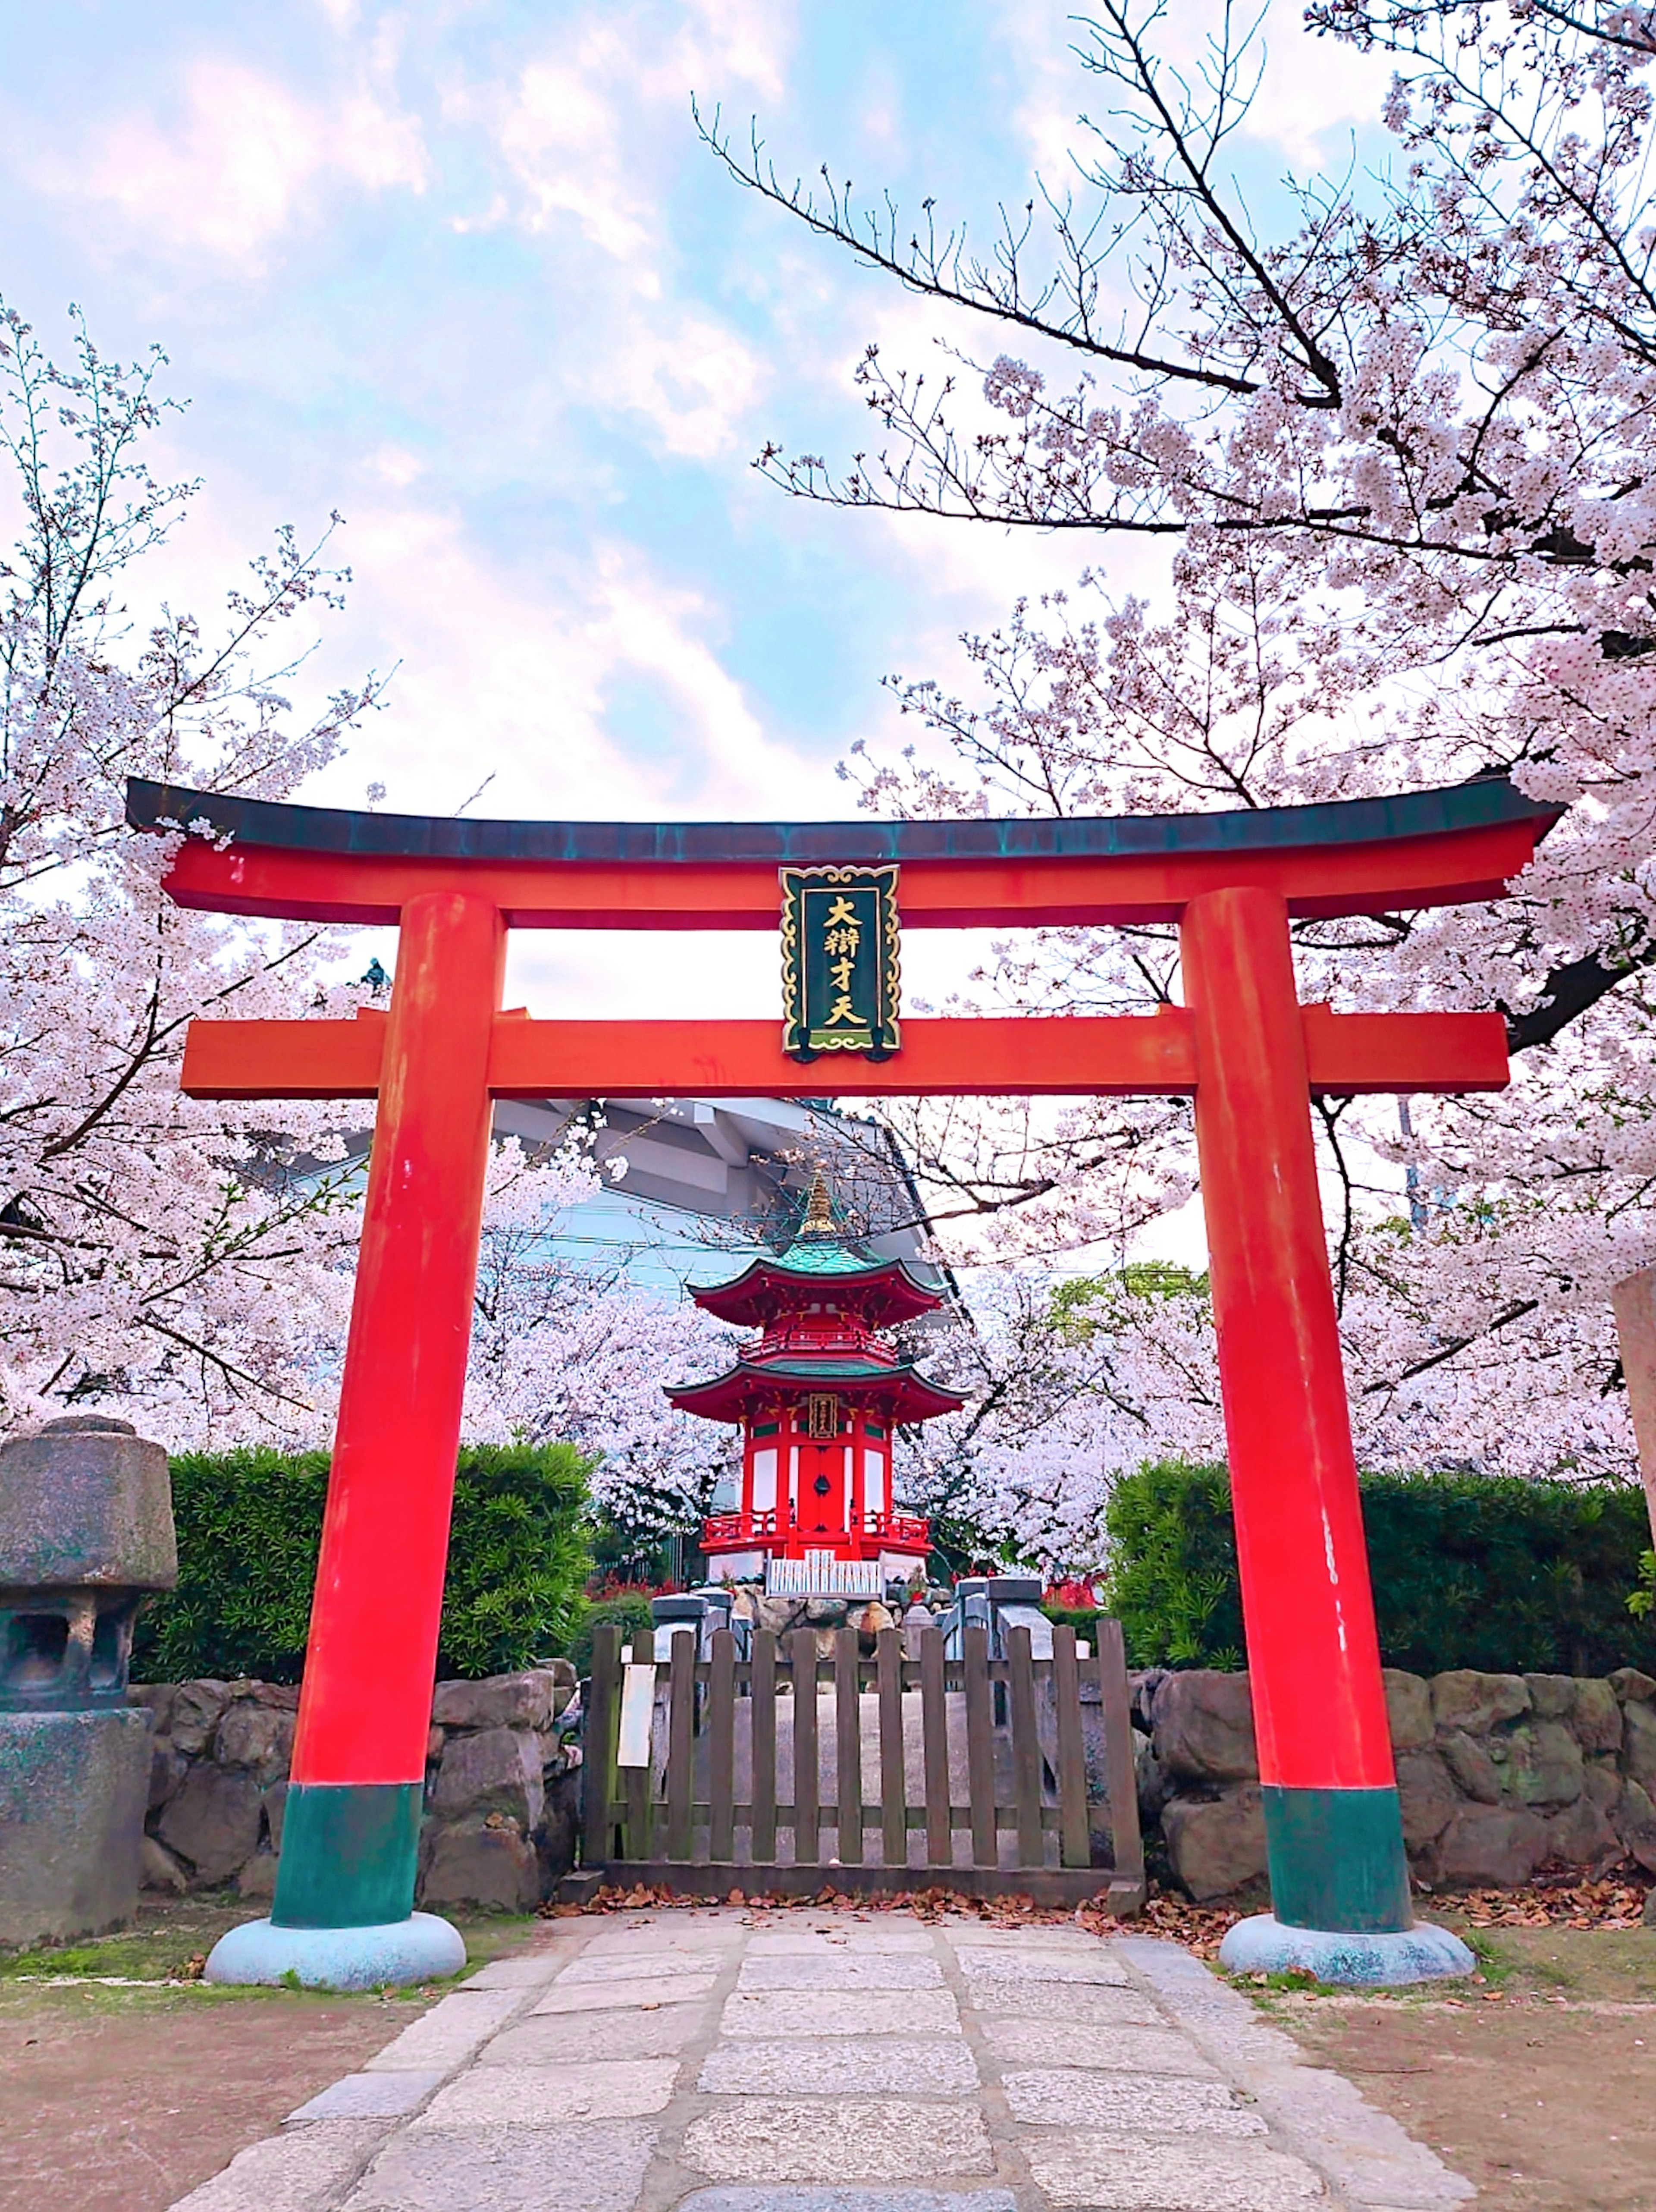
x=249, y=1524
x=1469, y=1570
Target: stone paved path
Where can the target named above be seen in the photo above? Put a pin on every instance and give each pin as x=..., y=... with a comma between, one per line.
x=720, y=2060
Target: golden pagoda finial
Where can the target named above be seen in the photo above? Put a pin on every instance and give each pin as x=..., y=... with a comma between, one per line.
x=819, y=1214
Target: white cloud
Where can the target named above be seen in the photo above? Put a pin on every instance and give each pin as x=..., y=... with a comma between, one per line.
x=226, y=174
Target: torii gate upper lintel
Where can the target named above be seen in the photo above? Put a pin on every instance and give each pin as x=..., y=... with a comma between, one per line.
x=1242, y=1044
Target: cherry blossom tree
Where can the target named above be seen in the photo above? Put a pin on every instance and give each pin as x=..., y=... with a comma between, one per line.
x=188, y=1264
x=1389, y=466
x=153, y=1249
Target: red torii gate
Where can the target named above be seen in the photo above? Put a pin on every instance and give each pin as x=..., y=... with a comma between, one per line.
x=1242, y=1045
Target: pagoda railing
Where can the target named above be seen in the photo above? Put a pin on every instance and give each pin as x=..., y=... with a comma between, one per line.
x=730, y=1531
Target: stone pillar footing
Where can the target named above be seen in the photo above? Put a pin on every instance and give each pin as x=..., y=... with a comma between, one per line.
x=1265, y=1945
x=424, y=1947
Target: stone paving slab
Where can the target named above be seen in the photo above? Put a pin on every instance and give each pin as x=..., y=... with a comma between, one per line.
x=757, y=2060
x=893, y=1971
x=1057, y=2098
x=842, y=2066
x=306, y=2169
x=1152, y=2051
x=450, y=2032
x=371, y=2096
x=865, y=2139
x=856, y=1937
x=1129, y=2173
x=884, y=2199
x=632, y=1966
x=649, y=1990
x=544, y=2096
x=570, y=2038
x=805, y=2012
x=508, y=2169
x=1087, y=2004
x=1033, y=1965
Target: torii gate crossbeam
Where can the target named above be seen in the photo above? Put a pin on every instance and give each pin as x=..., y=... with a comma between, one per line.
x=1243, y=1045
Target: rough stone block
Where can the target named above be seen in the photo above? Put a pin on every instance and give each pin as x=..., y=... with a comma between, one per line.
x=85, y=1500
x=842, y=2066
x=72, y=1790
x=1541, y=1763
x=1427, y=1793
x=1498, y=1846
x=167, y=1768
x=1060, y=2097
x=156, y=1699
x=1632, y=1687
x=496, y=1770
x=1216, y=1846
x=475, y=1863
x=513, y=1701
x=549, y=2096
x=1203, y=1726
x=1581, y=1835
x=258, y=1737
x=865, y=2139
x=1472, y=1766
x=1125, y=2172
x=1639, y=1744
x=1552, y=1696
x=1635, y=1823
x=1601, y=1781
x=1596, y=1717
x=1408, y=1709
x=213, y=1822
x=1464, y=1698
x=159, y=1869
x=275, y=1800
x=591, y=2166
x=196, y=1709
x=257, y=1881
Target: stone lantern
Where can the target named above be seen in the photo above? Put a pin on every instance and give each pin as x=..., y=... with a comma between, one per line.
x=86, y=1532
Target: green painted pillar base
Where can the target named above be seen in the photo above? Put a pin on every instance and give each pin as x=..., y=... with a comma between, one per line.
x=349, y=1852
x=1338, y=1861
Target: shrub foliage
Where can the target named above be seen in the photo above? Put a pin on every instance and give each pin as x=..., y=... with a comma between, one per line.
x=1469, y=1570
x=249, y=1524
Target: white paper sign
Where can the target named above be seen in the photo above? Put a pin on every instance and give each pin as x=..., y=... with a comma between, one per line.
x=638, y=1698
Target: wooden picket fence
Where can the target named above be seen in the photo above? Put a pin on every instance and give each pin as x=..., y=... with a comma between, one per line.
x=995, y=1777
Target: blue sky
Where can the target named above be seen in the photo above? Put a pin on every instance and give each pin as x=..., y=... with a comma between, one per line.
x=464, y=272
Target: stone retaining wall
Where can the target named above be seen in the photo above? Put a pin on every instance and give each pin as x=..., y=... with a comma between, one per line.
x=1499, y=1774
x=500, y=1787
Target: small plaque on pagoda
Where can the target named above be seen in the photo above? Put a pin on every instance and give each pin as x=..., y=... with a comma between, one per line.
x=840, y=961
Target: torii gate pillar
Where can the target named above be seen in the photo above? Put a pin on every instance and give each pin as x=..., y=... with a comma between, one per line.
x=1243, y=1046
x=1333, y=1823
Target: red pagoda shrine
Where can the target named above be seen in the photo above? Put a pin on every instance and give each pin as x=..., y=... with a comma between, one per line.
x=817, y=1396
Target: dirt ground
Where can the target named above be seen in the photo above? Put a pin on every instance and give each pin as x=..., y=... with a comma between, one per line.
x=1539, y=2084
x=123, y=2084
